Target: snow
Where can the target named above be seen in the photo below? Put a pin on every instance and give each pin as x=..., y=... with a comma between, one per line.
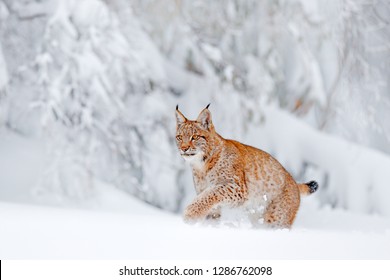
x=97, y=82
x=116, y=226
x=88, y=91
x=3, y=70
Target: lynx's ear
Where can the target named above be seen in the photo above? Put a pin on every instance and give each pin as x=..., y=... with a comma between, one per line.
x=204, y=119
x=179, y=117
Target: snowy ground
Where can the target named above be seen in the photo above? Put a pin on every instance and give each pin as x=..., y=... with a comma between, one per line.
x=129, y=229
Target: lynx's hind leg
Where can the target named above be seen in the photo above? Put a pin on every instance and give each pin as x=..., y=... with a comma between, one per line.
x=283, y=208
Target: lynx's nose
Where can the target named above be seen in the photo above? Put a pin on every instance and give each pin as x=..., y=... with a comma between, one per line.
x=185, y=149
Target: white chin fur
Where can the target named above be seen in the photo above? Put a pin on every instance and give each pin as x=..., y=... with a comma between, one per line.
x=195, y=159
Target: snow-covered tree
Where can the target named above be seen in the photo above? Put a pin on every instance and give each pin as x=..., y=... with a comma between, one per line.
x=96, y=82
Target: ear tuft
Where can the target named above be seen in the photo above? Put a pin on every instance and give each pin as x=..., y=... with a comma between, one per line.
x=179, y=117
x=208, y=106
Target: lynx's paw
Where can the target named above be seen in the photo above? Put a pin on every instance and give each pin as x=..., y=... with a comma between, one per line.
x=214, y=214
x=192, y=214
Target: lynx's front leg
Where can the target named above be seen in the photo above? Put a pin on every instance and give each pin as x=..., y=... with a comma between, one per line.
x=231, y=195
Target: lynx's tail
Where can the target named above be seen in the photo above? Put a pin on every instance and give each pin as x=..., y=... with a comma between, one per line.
x=308, y=188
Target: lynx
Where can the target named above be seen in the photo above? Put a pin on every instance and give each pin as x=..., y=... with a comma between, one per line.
x=228, y=173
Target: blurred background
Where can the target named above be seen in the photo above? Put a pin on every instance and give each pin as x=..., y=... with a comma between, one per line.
x=88, y=91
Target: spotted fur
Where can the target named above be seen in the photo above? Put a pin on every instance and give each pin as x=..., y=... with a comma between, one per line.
x=226, y=172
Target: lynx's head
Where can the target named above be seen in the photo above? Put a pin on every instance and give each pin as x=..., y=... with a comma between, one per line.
x=194, y=139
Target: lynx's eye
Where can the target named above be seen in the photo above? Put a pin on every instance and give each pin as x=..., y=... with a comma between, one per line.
x=178, y=137
x=195, y=137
